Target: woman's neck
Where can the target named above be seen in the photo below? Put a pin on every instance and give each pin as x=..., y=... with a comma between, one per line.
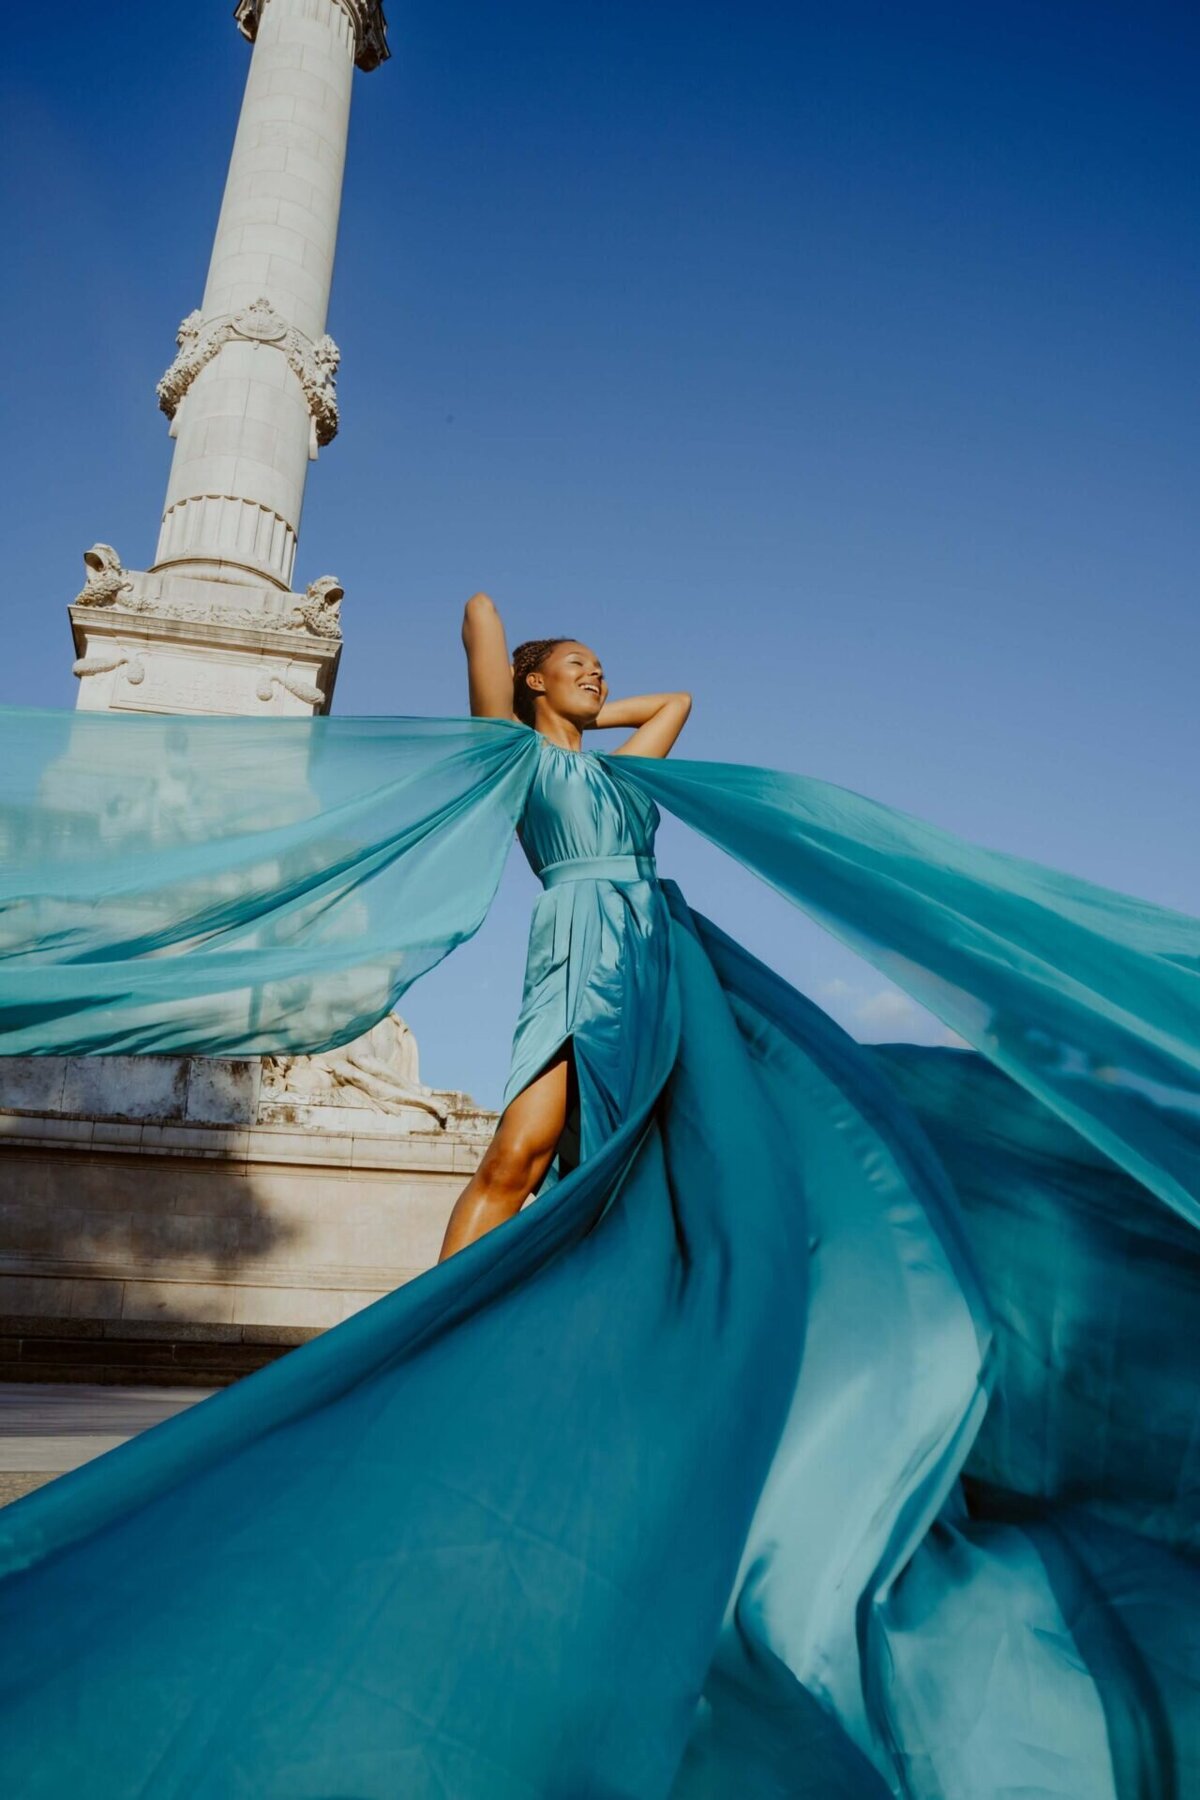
x=560, y=731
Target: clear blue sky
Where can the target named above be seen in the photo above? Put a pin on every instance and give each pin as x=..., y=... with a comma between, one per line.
x=838, y=363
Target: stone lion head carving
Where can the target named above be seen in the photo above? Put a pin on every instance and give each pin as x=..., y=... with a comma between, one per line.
x=106, y=579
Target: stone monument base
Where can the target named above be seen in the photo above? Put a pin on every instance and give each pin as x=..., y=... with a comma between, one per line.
x=183, y=1220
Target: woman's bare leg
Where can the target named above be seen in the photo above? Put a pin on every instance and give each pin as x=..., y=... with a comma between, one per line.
x=514, y=1162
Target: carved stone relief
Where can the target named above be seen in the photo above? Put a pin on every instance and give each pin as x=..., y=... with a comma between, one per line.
x=366, y=16
x=292, y=684
x=106, y=578
x=319, y=613
x=103, y=662
x=201, y=613
x=378, y=1072
x=315, y=365
x=109, y=585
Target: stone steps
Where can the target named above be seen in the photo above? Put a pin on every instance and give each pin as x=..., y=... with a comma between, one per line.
x=132, y=1353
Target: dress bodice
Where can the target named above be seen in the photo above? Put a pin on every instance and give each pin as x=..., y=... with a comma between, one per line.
x=575, y=809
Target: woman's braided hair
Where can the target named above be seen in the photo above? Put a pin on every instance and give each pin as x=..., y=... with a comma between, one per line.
x=526, y=659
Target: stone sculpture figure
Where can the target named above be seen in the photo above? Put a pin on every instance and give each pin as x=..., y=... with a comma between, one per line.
x=106, y=578
x=320, y=610
x=377, y=1072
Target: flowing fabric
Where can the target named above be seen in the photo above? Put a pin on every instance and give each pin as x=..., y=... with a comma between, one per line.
x=826, y=1426
x=1088, y=998
x=220, y=887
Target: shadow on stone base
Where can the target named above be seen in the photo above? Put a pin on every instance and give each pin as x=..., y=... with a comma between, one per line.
x=151, y=1353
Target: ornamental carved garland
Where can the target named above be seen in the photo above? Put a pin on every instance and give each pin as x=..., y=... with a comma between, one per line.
x=103, y=662
x=315, y=365
x=270, y=679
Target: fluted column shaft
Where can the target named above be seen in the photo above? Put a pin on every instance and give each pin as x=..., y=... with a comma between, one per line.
x=251, y=391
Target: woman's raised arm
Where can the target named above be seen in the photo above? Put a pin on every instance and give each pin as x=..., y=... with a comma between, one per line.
x=489, y=669
x=659, y=719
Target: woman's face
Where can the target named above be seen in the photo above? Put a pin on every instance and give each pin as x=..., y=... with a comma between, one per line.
x=572, y=681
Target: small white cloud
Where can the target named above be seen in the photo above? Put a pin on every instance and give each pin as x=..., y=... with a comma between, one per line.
x=889, y=1010
x=886, y=1016
x=837, y=989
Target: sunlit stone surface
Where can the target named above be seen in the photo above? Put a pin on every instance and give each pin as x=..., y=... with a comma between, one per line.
x=185, y=1218
x=173, y=1219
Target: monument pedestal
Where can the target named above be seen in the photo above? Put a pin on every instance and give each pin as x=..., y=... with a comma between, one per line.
x=170, y=643
x=183, y=1220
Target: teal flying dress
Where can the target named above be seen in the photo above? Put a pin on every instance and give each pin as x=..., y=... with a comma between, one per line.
x=828, y=1424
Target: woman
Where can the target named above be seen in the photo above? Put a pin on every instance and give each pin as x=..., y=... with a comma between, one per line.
x=556, y=685
x=712, y=1472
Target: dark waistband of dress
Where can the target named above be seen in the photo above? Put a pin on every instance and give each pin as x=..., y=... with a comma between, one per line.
x=599, y=868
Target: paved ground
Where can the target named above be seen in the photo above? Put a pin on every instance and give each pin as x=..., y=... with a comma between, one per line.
x=46, y=1430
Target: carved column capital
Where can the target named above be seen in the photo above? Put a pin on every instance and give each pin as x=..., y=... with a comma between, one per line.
x=366, y=16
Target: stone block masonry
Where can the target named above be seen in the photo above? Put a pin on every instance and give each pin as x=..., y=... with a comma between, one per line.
x=181, y=1220
x=185, y=1220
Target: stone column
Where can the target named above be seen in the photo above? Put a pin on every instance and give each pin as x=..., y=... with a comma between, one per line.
x=313, y=1185
x=251, y=393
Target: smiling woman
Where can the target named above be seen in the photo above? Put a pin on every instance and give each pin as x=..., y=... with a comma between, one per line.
x=825, y=1423
x=557, y=686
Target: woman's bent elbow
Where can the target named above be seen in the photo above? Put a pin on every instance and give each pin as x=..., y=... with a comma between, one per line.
x=478, y=605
